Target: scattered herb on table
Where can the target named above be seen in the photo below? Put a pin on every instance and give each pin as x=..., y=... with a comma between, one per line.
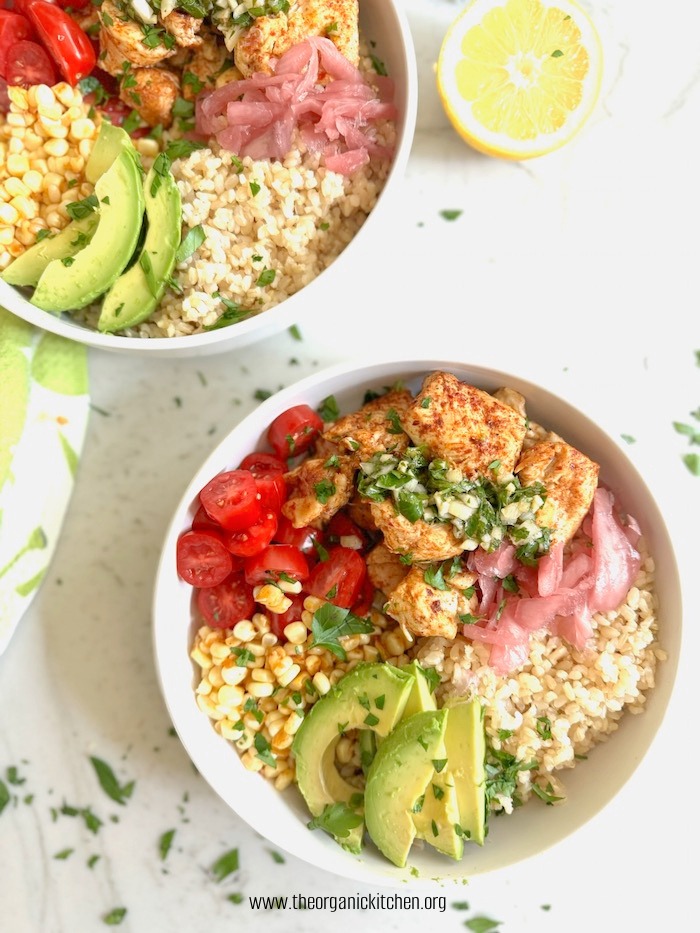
x=481, y=924
x=225, y=865
x=115, y=916
x=451, y=214
x=295, y=332
x=165, y=842
x=276, y=856
x=64, y=854
x=109, y=783
x=235, y=898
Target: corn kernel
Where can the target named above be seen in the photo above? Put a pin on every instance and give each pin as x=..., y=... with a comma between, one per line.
x=321, y=683
x=82, y=128
x=26, y=208
x=230, y=696
x=17, y=165
x=260, y=690
x=284, y=779
x=56, y=147
x=232, y=673
x=245, y=630
x=33, y=180
x=294, y=721
x=251, y=761
x=296, y=633
x=8, y=214
x=16, y=188
x=214, y=677
x=18, y=96
x=288, y=676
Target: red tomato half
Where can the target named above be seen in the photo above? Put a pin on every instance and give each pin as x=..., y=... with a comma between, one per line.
x=302, y=538
x=272, y=490
x=231, y=499
x=365, y=599
x=294, y=431
x=278, y=621
x=202, y=559
x=340, y=526
x=229, y=602
x=262, y=464
x=338, y=579
x=65, y=41
x=13, y=28
x=26, y=63
x=254, y=538
x=274, y=560
x=202, y=522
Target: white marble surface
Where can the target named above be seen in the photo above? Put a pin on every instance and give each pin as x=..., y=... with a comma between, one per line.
x=576, y=270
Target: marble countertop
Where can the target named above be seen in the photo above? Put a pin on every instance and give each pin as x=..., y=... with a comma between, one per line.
x=573, y=270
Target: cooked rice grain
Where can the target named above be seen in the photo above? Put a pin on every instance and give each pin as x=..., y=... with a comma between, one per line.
x=298, y=221
x=580, y=695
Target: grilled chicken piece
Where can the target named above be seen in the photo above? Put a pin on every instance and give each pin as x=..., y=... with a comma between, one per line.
x=206, y=64
x=375, y=427
x=153, y=95
x=183, y=28
x=421, y=608
x=423, y=541
x=464, y=425
x=360, y=511
x=570, y=479
x=535, y=432
x=269, y=37
x=385, y=569
x=317, y=492
x=122, y=41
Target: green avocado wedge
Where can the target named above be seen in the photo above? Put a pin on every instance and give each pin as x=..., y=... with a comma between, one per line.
x=136, y=293
x=371, y=696
x=111, y=142
x=67, y=286
x=399, y=777
x=28, y=268
x=465, y=741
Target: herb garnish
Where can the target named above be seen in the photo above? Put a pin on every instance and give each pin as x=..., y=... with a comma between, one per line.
x=225, y=865
x=337, y=819
x=328, y=409
x=191, y=242
x=330, y=623
x=324, y=490
x=115, y=916
x=109, y=783
x=76, y=210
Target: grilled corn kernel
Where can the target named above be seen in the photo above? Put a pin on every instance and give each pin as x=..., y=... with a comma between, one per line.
x=288, y=676
x=245, y=630
x=272, y=598
x=296, y=633
x=260, y=690
x=321, y=683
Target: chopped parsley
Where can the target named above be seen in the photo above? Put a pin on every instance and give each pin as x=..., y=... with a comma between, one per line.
x=225, y=865
x=331, y=623
x=451, y=214
x=190, y=243
x=324, y=490
x=378, y=65
x=77, y=210
x=114, y=917
x=254, y=188
x=328, y=409
x=109, y=783
x=266, y=277
x=338, y=819
x=264, y=752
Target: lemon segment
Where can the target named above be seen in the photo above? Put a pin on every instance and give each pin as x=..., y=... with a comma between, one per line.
x=519, y=78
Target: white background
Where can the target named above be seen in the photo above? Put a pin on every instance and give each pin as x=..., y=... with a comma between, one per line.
x=577, y=270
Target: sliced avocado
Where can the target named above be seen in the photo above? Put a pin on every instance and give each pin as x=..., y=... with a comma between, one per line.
x=421, y=697
x=438, y=816
x=28, y=268
x=371, y=696
x=135, y=294
x=110, y=143
x=398, y=777
x=465, y=741
x=67, y=286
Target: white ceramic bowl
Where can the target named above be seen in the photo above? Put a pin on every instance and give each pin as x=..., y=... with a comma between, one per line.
x=282, y=818
x=384, y=22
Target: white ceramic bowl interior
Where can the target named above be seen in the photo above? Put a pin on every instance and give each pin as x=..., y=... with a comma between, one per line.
x=384, y=23
x=282, y=817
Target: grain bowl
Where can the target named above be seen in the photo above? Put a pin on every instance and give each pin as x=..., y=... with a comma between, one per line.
x=275, y=215
x=569, y=701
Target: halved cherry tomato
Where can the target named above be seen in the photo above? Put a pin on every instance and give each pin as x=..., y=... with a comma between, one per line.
x=13, y=28
x=26, y=63
x=272, y=490
x=338, y=579
x=202, y=522
x=365, y=599
x=262, y=464
x=274, y=560
x=227, y=603
x=4, y=97
x=294, y=431
x=66, y=42
x=202, y=559
x=232, y=500
x=279, y=620
x=302, y=538
x=254, y=538
x=342, y=527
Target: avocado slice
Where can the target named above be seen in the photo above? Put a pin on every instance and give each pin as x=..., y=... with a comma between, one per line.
x=136, y=293
x=465, y=741
x=421, y=697
x=28, y=268
x=110, y=143
x=438, y=816
x=398, y=777
x=371, y=696
x=367, y=741
x=65, y=287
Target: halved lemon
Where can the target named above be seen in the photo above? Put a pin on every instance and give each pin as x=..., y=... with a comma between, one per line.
x=518, y=78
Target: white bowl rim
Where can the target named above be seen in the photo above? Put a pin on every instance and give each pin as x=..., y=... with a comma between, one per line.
x=330, y=856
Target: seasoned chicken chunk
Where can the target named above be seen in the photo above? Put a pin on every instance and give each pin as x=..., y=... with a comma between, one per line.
x=360, y=511
x=423, y=541
x=271, y=36
x=206, y=64
x=316, y=492
x=570, y=479
x=121, y=40
x=423, y=609
x=385, y=569
x=464, y=425
x=375, y=427
x=183, y=28
x=152, y=95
